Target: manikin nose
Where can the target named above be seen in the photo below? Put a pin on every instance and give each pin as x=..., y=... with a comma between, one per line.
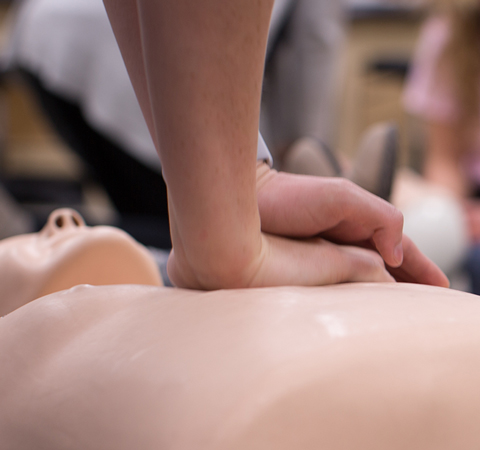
x=63, y=219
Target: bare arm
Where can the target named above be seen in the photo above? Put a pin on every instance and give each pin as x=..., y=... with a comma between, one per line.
x=197, y=70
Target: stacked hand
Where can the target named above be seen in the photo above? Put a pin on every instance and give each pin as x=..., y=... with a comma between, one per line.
x=203, y=110
x=339, y=231
x=318, y=231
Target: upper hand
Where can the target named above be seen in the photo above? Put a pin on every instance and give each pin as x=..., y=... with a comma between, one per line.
x=338, y=210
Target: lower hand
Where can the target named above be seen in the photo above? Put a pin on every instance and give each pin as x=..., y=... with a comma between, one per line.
x=298, y=262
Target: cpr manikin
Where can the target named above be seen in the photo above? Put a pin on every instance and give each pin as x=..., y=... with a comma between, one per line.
x=66, y=253
x=345, y=367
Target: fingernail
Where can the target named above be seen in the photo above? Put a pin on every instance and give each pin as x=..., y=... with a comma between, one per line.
x=398, y=254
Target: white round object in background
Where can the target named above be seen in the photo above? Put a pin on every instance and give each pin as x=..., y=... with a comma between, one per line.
x=437, y=225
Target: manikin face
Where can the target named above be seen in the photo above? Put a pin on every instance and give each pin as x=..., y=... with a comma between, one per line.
x=66, y=253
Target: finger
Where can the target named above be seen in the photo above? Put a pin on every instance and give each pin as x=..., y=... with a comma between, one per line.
x=316, y=262
x=417, y=268
x=345, y=263
x=388, y=238
x=362, y=265
x=370, y=217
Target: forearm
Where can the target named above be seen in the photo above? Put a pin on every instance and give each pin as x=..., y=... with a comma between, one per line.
x=125, y=22
x=203, y=69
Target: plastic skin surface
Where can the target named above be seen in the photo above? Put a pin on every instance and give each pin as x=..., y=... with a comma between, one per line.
x=66, y=253
x=345, y=367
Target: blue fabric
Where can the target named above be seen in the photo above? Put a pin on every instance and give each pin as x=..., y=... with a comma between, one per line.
x=472, y=267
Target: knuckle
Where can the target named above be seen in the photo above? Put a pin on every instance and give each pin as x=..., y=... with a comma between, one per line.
x=346, y=185
x=374, y=262
x=392, y=219
x=365, y=260
x=397, y=216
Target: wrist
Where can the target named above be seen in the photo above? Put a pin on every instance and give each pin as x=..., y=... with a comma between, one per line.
x=265, y=174
x=204, y=266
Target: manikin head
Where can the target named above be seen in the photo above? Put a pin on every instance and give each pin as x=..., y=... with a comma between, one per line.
x=66, y=253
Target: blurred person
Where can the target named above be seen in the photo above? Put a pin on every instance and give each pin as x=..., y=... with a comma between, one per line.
x=372, y=168
x=81, y=83
x=68, y=57
x=302, y=74
x=443, y=91
x=76, y=64
x=301, y=97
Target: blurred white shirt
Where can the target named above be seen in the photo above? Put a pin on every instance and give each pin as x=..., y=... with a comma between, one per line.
x=70, y=46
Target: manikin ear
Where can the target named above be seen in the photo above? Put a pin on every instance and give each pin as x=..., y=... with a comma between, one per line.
x=66, y=253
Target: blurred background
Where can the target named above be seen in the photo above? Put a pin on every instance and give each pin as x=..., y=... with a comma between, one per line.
x=379, y=40
x=334, y=70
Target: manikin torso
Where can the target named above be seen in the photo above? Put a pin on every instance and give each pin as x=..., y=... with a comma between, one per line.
x=354, y=366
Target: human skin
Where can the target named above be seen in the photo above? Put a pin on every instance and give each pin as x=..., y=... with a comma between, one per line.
x=197, y=71
x=332, y=208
